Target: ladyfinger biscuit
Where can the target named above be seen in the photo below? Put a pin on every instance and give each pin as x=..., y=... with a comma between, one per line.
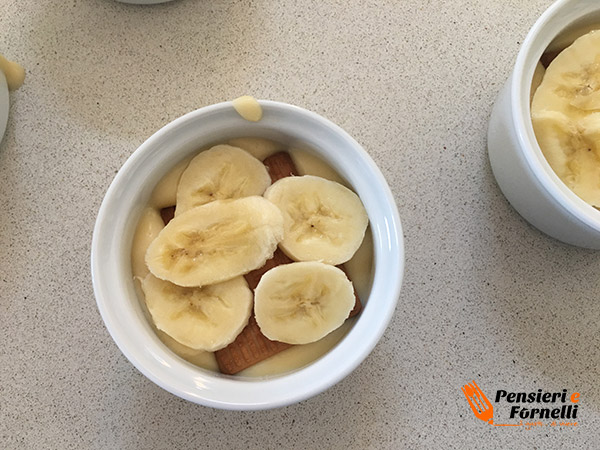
x=280, y=165
x=167, y=214
x=249, y=348
x=548, y=57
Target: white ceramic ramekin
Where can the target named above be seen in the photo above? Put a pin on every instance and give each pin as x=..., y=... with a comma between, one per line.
x=130, y=192
x=522, y=172
x=144, y=2
x=4, y=104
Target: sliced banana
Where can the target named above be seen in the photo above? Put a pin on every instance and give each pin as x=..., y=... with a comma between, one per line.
x=165, y=192
x=260, y=148
x=572, y=80
x=222, y=172
x=323, y=220
x=200, y=358
x=572, y=148
x=302, y=302
x=565, y=114
x=207, y=318
x=149, y=226
x=216, y=241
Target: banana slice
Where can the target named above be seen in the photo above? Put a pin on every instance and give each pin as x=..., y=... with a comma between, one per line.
x=324, y=221
x=165, y=192
x=571, y=83
x=565, y=114
x=200, y=358
x=207, y=318
x=302, y=302
x=260, y=148
x=216, y=242
x=222, y=172
x=572, y=148
x=148, y=228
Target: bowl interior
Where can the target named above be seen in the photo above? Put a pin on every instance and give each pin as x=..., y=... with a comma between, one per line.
x=557, y=28
x=130, y=192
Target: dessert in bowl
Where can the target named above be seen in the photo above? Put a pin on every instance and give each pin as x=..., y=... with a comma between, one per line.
x=4, y=104
x=12, y=76
x=130, y=194
x=522, y=169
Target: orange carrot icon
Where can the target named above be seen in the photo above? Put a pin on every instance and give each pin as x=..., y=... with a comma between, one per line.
x=481, y=406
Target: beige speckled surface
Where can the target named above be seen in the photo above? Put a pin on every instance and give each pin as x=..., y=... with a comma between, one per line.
x=485, y=297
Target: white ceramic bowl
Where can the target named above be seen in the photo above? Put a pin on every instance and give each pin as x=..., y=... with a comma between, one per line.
x=130, y=192
x=144, y=2
x=4, y=104
x=522, y=172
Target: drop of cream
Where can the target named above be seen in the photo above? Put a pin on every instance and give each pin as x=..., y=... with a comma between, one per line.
x=14, y=73
x=248, y=107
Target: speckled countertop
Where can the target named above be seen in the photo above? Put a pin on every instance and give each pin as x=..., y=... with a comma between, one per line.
x=485, y=297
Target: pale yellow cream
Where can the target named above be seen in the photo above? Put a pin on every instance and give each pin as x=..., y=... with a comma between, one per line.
x=359, y=268
x=165, y=192
x=200, y=358
x=149, y=226
x=248, y=108
x=14, y=73
x=260, y=148
x=298, y=356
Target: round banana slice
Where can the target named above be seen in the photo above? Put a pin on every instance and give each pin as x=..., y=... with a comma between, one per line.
x=165, y=192
x=222, y=172
x=572, y=148
x=302, y=302
x=207, y=318
x=565, y=114
x=260, y=148
x=216, y=241
x=148, y=228
x=571, y=83
x=323, y=220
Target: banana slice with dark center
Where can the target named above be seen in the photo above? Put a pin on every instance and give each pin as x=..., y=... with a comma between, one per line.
x=302, y=302
x=202, y=318
x=216, y=242
x=324, y=221
x=220, y=173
